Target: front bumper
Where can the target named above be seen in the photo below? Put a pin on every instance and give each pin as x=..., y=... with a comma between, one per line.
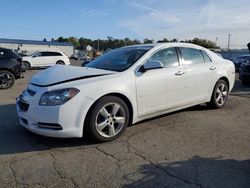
x=63, y=121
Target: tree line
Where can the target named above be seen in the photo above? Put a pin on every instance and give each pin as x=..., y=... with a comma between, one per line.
x=112, y=43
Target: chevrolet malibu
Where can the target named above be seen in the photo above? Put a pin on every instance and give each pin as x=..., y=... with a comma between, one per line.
x=123, y=87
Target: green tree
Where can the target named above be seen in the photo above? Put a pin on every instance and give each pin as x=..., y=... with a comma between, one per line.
x=148, y=41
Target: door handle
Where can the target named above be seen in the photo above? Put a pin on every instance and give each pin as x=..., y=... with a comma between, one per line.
x=179, y=73
x=212, y=68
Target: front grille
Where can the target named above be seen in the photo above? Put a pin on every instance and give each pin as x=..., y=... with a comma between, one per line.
x=23, y=105
x=53, y=126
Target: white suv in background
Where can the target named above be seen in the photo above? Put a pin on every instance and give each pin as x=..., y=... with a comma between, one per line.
x=45, y=59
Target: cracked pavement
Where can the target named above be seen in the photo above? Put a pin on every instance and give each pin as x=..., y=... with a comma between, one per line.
x=196, y=147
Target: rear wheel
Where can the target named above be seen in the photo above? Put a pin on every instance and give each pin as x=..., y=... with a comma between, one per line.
x=60, y=62
x=108, y=119
x=220, y=94
x=7, y=79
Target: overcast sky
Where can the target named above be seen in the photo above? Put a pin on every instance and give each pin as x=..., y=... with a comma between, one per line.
x=136, y=19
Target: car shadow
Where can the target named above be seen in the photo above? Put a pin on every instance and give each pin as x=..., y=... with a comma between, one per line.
x=16, y=139
x=239, y=88
x=195, y=172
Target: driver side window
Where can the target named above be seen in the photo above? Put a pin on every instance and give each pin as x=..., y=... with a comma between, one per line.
x=39, y=54
x=168, y=57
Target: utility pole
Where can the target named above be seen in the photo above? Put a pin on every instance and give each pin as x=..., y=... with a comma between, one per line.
x=98, y=46
x=229, y=40
x=216, y=40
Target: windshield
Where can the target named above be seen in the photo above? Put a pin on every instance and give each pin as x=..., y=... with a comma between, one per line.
x=34, y=53
x=119, y=59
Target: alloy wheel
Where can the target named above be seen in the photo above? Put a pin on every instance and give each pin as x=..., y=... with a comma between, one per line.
x=221, y=94
x=6, y=80
x=110, y=120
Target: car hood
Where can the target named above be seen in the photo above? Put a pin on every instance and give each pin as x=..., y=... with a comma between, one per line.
x=61, y=74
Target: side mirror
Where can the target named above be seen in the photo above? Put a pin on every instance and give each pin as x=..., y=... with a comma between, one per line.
x=151, y=64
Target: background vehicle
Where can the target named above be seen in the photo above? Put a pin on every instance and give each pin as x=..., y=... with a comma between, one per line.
x=239, y=60
x=80, y=56
x=122, y=87
x=10, y=68
x=245, y=73
x=45, y=59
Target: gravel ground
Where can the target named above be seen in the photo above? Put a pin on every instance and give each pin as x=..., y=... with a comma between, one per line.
x=196, y=147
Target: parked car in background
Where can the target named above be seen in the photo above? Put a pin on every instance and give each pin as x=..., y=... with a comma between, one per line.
x=10, y=68
x=45, y=59
x=239, y=60
x=80, y=56
x=22, y=54
x=123, y=87
x=245, y=73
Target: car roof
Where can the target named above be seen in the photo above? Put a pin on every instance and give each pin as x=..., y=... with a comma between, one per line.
x=49, y=51
x=168, y=44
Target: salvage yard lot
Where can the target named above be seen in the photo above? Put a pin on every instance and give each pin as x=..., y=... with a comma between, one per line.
x=196, y=147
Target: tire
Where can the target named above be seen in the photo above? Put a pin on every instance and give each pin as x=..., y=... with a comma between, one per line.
x=108, y=119
x=27, y=65
x=7, y=79
x=220, y=95
x=60, y=62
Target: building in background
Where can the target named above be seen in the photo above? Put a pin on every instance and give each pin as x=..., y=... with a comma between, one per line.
x=30, y=46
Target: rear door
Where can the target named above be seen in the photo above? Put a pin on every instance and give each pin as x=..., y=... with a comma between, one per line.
x=50, y=58
x=200, y=74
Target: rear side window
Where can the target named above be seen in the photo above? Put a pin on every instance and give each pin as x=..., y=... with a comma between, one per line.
x=167, y=56
x=206, y=57
x=191, y=56
x=53, y=54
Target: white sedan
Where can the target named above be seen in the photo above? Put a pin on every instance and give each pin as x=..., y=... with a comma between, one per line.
x=123, y=87
x=45, y=59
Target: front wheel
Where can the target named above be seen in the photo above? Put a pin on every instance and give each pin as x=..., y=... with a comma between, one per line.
x=220, y=94
x=7, y=79
x=108, y=119
x=26, y=65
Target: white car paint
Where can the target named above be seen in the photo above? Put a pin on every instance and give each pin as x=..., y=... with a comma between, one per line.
x=43, y=59
x=152, y=93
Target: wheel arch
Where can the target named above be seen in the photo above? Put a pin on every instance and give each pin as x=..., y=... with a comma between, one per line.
x=116, y=94
x=9, y=70
x=60, y=60
x=27, y=62
x=225, y=79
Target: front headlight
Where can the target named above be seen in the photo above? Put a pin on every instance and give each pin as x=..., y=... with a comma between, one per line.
x=58, y=97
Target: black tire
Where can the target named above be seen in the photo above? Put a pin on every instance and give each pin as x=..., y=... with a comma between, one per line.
x=60, y=62
x=94, y=115
x=7, y=79
x=214, y=102
x=26, y=65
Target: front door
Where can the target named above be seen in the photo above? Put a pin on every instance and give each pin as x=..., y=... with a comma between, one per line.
x=161, y=89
